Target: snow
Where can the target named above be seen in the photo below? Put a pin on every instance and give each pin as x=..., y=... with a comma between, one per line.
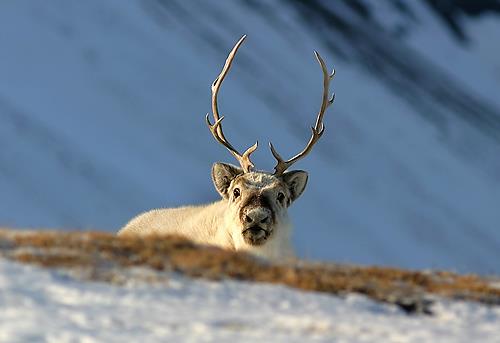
x=44, y=305
x=102, y=107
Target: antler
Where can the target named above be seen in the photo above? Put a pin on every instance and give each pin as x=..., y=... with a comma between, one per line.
x=216, y=127
x=317, y=130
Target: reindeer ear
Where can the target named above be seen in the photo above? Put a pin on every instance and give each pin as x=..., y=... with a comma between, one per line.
x=222, y=175
x=296, y=181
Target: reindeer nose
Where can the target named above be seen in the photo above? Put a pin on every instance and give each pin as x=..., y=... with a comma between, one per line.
x=257, y=216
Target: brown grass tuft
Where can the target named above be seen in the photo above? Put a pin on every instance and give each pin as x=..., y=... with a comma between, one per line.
x=408, y=289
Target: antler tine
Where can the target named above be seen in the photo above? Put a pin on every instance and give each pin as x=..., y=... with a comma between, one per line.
x=216, y=128
x=319, y=127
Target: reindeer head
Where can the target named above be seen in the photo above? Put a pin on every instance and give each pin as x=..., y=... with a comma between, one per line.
x=258, y=200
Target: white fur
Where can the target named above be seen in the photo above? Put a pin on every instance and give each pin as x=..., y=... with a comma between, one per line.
x=209, y=224
x=220, y=223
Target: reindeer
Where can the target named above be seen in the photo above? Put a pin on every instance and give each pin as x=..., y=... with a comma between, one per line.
x=252, y=214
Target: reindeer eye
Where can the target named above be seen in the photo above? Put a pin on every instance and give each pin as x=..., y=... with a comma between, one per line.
x=236, y=192
x=281, y=197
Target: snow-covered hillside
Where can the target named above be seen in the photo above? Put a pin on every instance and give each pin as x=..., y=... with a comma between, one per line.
x=39, y=305
x=102, y=109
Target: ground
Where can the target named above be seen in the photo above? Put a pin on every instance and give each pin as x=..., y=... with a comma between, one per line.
x=98, y=287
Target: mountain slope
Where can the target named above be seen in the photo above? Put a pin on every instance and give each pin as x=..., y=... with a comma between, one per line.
x=102, y=108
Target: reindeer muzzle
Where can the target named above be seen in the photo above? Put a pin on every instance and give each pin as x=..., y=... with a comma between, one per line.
x=256, y=235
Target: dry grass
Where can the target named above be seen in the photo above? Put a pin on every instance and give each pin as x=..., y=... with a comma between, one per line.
x=408, y=289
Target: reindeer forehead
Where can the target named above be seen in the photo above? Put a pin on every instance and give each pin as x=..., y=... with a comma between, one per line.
x=258, y=180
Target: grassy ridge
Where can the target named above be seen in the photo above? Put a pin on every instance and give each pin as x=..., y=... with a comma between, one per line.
x=410, y=290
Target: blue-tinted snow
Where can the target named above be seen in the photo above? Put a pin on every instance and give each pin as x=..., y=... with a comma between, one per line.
x=102, y=109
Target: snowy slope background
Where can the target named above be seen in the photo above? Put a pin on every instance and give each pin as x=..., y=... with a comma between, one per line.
x=102, y=109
